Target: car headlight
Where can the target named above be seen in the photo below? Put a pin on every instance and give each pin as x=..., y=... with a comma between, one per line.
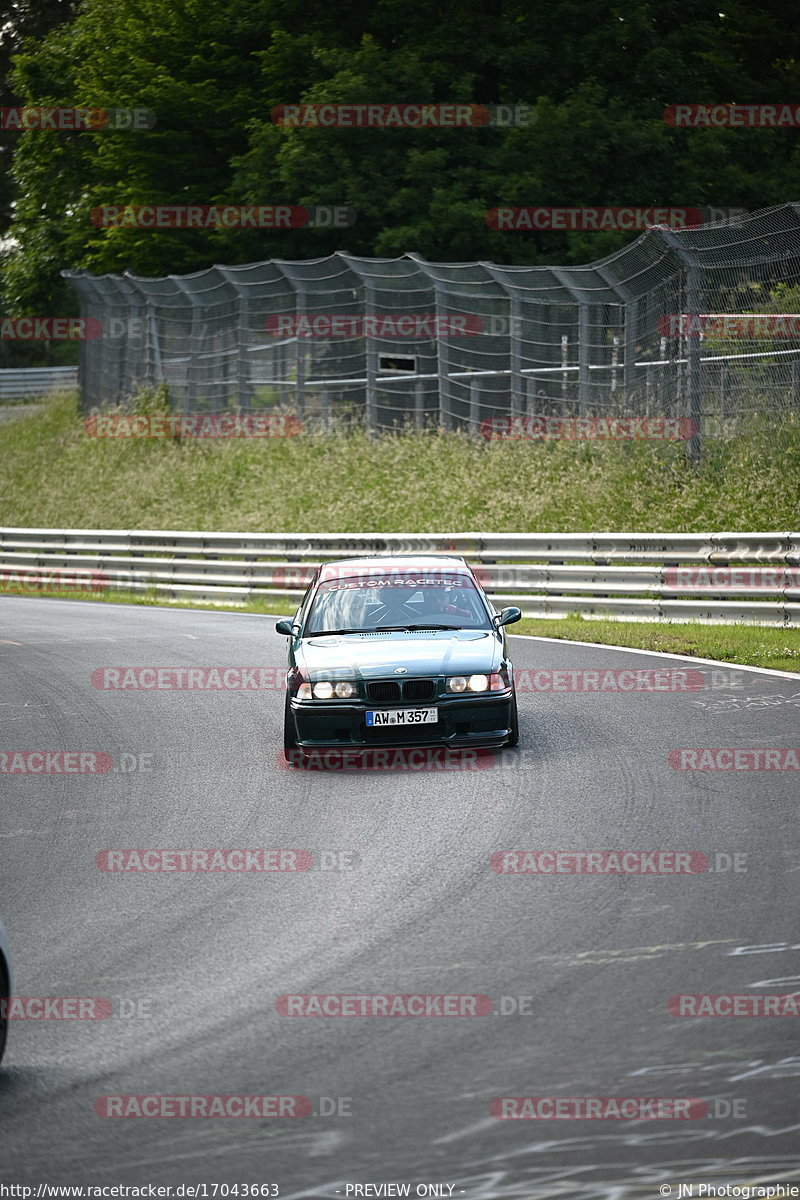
x=477, y=683
x=457, y=683
x=323, y=689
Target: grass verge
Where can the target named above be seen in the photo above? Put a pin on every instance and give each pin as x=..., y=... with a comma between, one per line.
x=52, y=474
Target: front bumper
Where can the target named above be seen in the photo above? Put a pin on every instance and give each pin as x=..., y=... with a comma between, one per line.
x=481, y=721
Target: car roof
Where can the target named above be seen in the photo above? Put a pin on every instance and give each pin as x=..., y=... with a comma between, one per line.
x=393, y=564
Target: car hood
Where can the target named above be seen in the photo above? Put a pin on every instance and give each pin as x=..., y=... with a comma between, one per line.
x=374, y=656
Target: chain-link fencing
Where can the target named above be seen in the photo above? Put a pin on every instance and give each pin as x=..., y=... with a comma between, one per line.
x=698, y=324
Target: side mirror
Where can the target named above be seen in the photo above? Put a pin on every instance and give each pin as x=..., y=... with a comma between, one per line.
x=285, y=627
x=507, y=616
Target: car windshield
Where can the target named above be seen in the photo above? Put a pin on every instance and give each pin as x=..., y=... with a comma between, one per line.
x=435, y=601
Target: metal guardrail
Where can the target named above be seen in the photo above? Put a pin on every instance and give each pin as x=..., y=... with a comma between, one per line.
x=622, y=576
x=20, y=382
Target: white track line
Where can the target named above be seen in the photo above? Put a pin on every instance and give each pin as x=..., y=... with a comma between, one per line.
x=709, y=662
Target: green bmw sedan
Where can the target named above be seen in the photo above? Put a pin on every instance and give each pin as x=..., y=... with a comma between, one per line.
x=398, y=651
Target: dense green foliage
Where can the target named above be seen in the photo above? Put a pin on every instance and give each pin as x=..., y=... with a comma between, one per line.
x=598, y=74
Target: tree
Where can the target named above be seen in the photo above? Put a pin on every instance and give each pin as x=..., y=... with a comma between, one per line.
x=597, y=74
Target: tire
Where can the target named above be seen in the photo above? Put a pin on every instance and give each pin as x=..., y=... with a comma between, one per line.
x=513, y=737
x=295, y=757
x=289, y=732
x=3, y=1020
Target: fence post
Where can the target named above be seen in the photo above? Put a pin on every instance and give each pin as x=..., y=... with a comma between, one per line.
x=371, y=363
x=584, y=377
x=442, y=366
x=689, y=262
x=614, y=363
x=419, y=406
x=724, y=382
x=154, y=345
x=474, y=407
x=514, y=340
x=662, y=374
x=629, y=349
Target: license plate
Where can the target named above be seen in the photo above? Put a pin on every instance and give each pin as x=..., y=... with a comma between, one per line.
x=403, y=716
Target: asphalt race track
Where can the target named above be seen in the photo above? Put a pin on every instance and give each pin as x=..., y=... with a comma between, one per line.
x=193, y=962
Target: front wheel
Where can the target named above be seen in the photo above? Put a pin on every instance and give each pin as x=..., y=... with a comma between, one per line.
x=513, y=736
x=4, y=997
x=289, y=732
x=295, y=757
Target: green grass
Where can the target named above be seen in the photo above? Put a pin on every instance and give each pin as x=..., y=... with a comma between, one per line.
x=754, y=645
x=53, y=475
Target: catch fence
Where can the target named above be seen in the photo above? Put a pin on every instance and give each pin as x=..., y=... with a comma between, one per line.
x=699, y=323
